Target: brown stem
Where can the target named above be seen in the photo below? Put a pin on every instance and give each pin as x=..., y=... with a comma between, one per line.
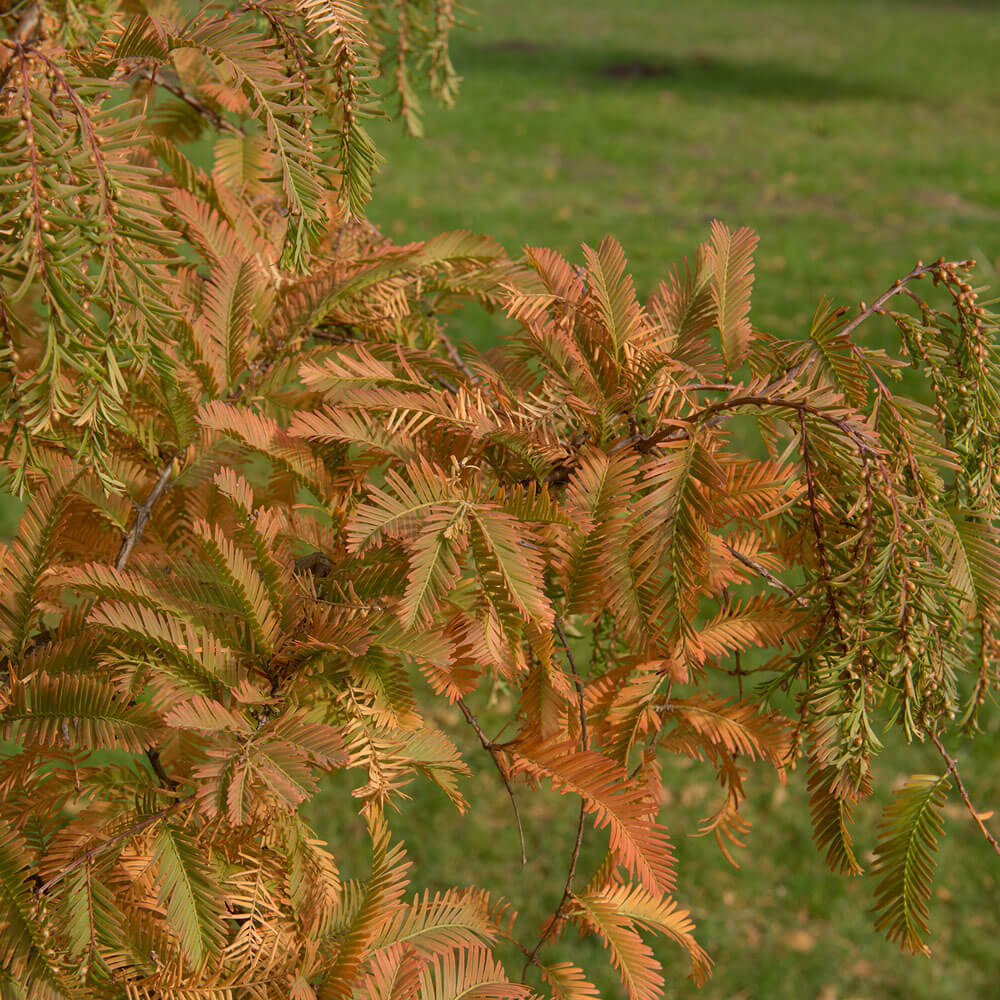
x=209, y=114
x=457, y=358
x=131, y=831
x=764, y=572
x=492, y=750
x=643, y=444
x=129, y=542
x=142, y=515
x=715, y=412
x=153, y=756
x=977, y=816
x=870, y=310
x=897, y=286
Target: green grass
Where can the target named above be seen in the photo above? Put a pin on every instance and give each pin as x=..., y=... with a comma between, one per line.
x=854, y=137
x=780, y=927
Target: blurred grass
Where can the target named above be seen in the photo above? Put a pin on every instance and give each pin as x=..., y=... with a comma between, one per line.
x=780, y=928
x=854, y=137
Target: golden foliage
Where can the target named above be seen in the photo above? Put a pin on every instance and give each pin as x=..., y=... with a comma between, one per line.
x=280, y=526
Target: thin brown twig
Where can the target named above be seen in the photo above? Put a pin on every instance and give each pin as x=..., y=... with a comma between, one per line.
x=644, y=443
x=716, y=412
x=578, y=842
x=870, y=310
x=457, y=358
x=156, y=77
x=764, y=572
x=142, y=515
x=973, y=812
x=111, y=841
x=494, y=752
x=129, y=542
x=897, y=286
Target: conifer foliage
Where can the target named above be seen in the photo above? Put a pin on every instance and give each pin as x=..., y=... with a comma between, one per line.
x=273, y=512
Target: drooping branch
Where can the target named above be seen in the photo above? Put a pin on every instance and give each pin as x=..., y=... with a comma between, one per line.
x=719, y=411
x=817, y=526
x=715, y=412
x=876, y=308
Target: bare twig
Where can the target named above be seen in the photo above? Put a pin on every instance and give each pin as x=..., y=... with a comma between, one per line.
x=129, y=542
x=111, y=841
x=577, y=682
x=867, y=311
x=492, y=750
x=142, y=515
x=973, y=812
x=457, y=358
x=764, y=572
x=173, y=86
x=897, y=286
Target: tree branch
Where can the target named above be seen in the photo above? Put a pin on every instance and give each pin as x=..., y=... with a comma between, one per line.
x=155, y=76
x=715, y=412
x=643, y=443
x=817, y=526
x=132, y=538
x=867, y=311
x=142, y=515
x=111, y=841
x=457, y=358
x=973, y=812
x=491, y=749
x=764, y=572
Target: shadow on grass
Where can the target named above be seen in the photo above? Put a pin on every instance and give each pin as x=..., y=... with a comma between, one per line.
x=696, y=72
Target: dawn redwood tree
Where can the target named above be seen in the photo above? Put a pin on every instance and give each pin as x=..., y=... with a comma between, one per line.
x=269, y=503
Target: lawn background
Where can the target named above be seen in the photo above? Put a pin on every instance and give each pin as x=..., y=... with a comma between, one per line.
x=855, y=138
